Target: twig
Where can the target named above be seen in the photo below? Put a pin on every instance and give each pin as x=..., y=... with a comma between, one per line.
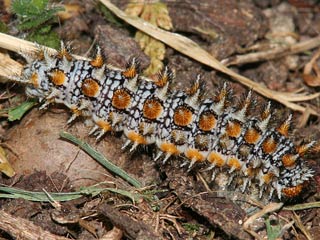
x=21, y=228
x=273, y=53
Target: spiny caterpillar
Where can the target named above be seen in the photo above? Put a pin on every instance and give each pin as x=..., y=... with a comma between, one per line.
x=208, y=132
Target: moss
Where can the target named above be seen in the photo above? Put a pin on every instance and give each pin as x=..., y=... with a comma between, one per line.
x=36, y=17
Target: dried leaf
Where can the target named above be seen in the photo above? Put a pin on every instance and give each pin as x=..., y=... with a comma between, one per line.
x=158, y=15
x=155, y=49
x=5, y=166
x=154, y=66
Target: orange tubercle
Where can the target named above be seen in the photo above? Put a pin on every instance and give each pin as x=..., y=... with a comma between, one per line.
x=269, y=145
x=291, y=192
x=283, y=129
x=194, y=88
x=121, y=99
x=288, y=160
x=233, y=129
x=207, y=122
x=304, y=148
x=40, y=55
x=131, y=71
x=216, y=159
x=251, y=172
x=58, y=77
x=90, y=87
x=182, y=116
x=265, y=114
x=136, y=137
x=105, y=126
x=161, y=81
x=97, y=61
x=152, y=109
x=64, y=53
x=194, y=154
x=168, y=147
x=221, y=95
x=252, y=136
x=34, y=79
x=164, y=77
x=267, y=177
x=76, y=111
x=235, y=163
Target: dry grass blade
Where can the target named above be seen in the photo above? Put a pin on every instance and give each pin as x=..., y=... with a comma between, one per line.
x=193, y=50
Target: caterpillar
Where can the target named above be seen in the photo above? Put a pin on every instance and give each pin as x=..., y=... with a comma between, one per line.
x=206, y=132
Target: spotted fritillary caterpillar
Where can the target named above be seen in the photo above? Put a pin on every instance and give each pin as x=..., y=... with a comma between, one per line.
x=207, y=132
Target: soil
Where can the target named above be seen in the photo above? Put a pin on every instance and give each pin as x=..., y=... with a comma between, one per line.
x=173, y=204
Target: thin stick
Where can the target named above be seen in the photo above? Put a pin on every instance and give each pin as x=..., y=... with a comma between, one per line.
x=273, y=53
